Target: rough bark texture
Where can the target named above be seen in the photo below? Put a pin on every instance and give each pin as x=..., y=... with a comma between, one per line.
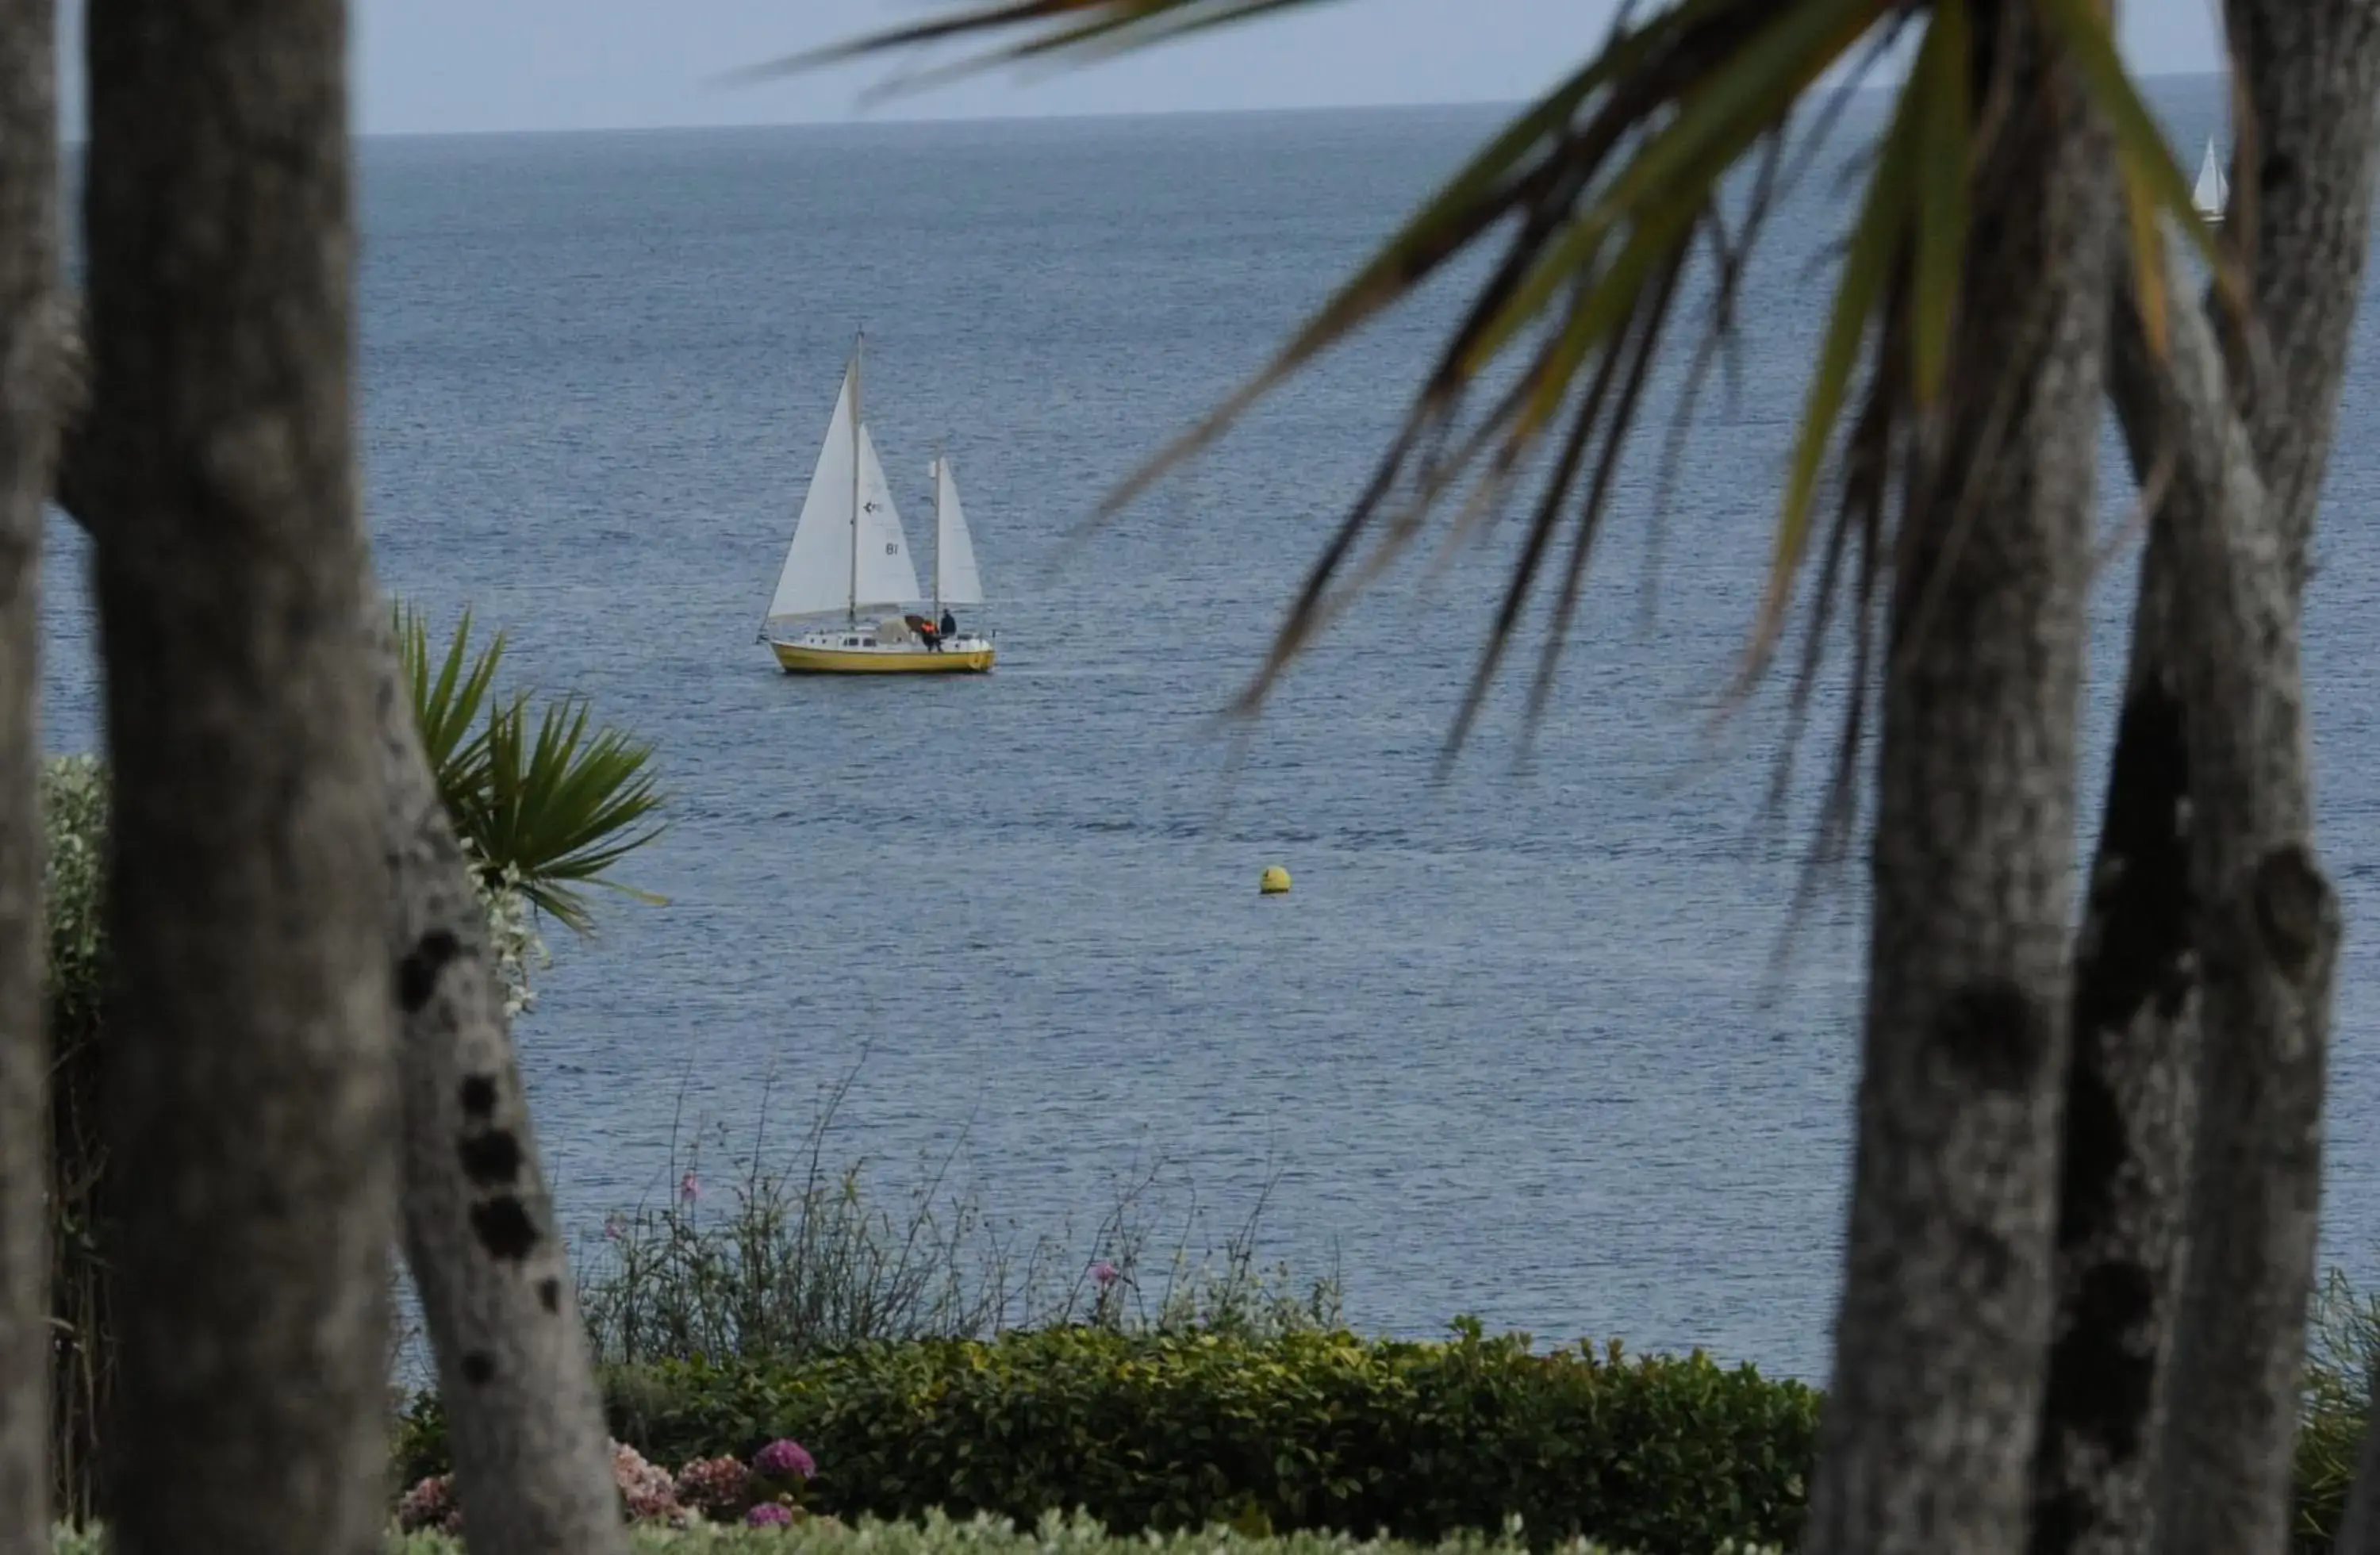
x=522, y=1411
x=254, y=1105
x=29, y=241
x=2268, y=934
x=531, y=1458
x=2253, y=444
x=1932, y=1416
x=2130, y=1102
x=2302, y=213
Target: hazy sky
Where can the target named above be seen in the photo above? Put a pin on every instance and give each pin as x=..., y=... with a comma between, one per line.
x=483, y=65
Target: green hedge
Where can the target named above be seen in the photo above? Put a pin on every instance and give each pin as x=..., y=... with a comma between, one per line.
x=1667, y=1457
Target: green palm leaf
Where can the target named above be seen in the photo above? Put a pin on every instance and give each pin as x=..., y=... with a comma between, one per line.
x=564, y=802
x=548, y=803
x=1945, y=67
x=447, y=702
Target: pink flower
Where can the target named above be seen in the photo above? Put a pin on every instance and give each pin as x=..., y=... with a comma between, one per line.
x=650, y=1493
x=769, y=1515
x=784, y=1459
x=718, y=1488
x=430, y=1505
x=689, y=1188
x=1104, y=1274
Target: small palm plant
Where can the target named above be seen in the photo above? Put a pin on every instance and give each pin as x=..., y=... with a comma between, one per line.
x=546, y=801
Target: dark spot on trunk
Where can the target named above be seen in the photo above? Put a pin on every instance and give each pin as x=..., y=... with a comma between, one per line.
x=2292, y=903
x=478, y=1096
x=1994, y=1033
x=2059, y=1521
x=505, y=1228
x=417, y=975
x=2142, y=908
x=491, y=1159
x=478, y=1368
x=2100, y=1375
x=2096, y=1147
x=2278, y=173
x=549, y=1295
x=2100, y=1370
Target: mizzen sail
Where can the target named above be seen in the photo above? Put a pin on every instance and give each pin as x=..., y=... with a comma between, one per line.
x=956, y=580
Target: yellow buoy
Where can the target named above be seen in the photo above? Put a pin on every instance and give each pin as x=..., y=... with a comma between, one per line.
x=1273, y=882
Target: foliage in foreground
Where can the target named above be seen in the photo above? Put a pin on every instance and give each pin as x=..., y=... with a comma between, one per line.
x=1318, y=1430
x=938, y=1535
x=1669, y=1456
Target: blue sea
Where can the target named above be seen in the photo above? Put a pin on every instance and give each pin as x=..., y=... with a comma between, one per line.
x=1518, y=1045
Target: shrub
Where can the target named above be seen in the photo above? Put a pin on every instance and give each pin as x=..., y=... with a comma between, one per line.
x=74, y=800
x=941, y=1536
x=1669, y=1456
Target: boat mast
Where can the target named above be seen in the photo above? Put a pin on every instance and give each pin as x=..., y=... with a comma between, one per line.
x=859, y=347
x=939, y=478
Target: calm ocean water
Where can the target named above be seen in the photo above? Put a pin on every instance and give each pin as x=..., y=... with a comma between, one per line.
x=1513, y=1046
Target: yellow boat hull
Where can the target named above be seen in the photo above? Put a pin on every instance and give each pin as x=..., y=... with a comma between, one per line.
x=799, y=659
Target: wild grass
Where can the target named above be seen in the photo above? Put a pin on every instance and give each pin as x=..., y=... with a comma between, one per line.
x=2335, y=1400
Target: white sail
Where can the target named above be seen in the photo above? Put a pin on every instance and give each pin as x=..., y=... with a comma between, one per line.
x=956, y=579
x=816, y=579
x=885, y=575
x=2210, y=193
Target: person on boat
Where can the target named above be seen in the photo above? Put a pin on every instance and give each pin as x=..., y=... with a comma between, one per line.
x=950, y=627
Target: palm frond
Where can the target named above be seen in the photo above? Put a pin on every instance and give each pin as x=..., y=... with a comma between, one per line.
x=447, y=702
x=548, y=802
x=1593, y=198
x=563, y=803
x=1050, y=26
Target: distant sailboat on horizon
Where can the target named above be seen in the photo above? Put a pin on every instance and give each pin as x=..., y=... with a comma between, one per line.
x=849, y=554
x=2213, y=192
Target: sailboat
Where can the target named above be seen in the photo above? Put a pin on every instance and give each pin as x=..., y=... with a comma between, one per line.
x=2212, y=191
x=850, y=559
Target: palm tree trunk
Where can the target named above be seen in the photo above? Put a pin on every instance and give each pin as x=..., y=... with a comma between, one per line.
x=253, y=1105
x=2267, y=938
x=29, y=243
x=2130, y=1100
x=2269, y=943
x=523, y=1416
x=2307, y=157
x=1940, y=1339
x=2256, y=426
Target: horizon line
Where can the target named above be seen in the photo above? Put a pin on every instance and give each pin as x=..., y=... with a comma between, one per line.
x=1059, y=116
x=860, y=121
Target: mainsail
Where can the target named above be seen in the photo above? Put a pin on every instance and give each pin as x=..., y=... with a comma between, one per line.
x=843, y=558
